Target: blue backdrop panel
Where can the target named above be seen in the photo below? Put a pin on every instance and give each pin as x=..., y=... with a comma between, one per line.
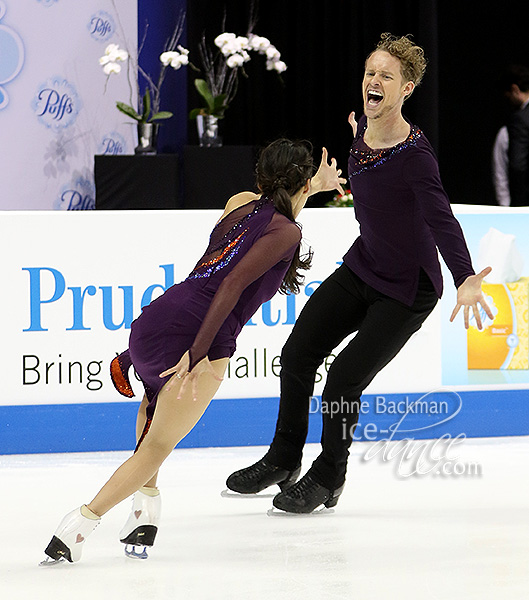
x=156, y=22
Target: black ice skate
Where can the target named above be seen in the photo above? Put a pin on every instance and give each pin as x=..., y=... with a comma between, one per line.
x=306, y=496
x=259, y=476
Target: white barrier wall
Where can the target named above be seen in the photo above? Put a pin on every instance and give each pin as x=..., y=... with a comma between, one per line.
x=73, y=283
x=78, y=280
x=54, y=111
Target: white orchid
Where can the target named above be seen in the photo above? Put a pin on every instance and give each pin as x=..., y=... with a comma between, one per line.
x=111, y=67
x=111, y=59
x=113, y=54
x=258, y=43
x=175, y=59
x=272, y=53
x=219, y=86
x=235, y=60
x=184, y=59
x=234, y=49
x=277, y=65
x=167, y=57
x=241, y=42
x=235, y=45
x=223, y=38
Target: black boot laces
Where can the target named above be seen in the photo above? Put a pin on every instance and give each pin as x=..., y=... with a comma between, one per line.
x=256, y=470
x=302, y=488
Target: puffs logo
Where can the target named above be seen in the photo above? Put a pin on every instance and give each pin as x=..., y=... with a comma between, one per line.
x=101, y=26
x=112, y=144
x=78, y=195
x=57, y=104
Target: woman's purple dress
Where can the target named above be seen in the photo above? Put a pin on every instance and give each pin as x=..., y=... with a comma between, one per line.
x=249, y=252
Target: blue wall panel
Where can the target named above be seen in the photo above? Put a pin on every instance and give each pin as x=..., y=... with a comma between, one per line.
x=241, y=422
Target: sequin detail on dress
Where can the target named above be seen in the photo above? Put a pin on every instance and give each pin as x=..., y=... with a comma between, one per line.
x=227, y=237
x=119, y=377
x=220, y=261
x=237, y=227
x=370, y=159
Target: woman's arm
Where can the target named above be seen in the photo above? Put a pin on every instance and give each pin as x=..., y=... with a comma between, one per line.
x=327, y=177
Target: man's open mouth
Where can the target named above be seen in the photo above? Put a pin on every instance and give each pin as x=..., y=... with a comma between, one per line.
x=374, y=98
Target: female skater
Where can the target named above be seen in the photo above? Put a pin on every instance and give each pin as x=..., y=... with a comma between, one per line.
x=181, y=343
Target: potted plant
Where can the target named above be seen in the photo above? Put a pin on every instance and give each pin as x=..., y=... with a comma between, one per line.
x=341, y=200
x=148, y=115
x=219, y=84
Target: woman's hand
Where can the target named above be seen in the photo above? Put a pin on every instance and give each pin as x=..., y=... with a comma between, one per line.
x=353, y=123
x=181, y=373
x=327, y=176
x=469, y=294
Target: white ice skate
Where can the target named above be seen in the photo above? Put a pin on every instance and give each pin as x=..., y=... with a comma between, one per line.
x=142, y=525
x=67, y=543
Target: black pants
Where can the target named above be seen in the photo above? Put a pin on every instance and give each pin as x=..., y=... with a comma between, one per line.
x=341, y=305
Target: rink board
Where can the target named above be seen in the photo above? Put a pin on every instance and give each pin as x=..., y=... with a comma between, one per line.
x=251, y=422
x=74, y=281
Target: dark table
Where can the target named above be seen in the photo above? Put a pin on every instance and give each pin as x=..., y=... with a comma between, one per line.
x=137, y=182
x=206, y=178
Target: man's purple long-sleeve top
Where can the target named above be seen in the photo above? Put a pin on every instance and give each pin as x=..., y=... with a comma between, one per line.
x=404, y=216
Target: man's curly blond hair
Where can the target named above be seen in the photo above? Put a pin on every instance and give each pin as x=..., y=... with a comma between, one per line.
x=411, y=56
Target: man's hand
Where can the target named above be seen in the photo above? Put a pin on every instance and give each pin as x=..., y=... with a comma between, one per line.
x=353, y=123
x=469, y=295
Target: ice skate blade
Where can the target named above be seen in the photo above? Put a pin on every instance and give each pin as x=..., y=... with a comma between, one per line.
x=51, y=562
x=274, y=512
x=136, y=555
x=229, y=494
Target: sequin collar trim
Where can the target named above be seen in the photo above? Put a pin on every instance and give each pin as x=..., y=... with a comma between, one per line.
x=370, y=159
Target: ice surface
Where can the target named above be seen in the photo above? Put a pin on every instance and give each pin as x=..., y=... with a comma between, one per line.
x=425, y=537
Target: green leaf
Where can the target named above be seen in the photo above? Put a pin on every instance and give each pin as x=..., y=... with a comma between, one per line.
x=218, y=105
x=163, y=114
x=193, y=114
x=204, y=91
x=146, y=106
x=128, y=110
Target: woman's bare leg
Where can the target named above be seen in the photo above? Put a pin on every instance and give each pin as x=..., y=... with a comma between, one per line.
x=141, y=420
x=173, y=420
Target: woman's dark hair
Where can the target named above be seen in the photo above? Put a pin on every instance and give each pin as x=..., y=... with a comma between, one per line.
x=282, y=170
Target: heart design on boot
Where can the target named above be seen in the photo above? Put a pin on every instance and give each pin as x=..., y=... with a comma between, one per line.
x=79, y=539
x=137, y=513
